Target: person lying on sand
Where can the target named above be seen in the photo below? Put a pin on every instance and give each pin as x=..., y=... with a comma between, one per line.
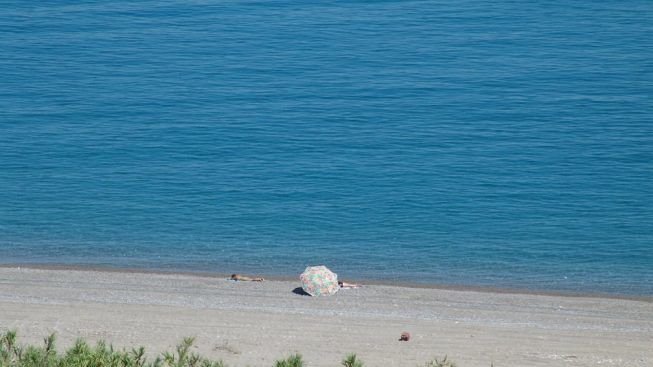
x=348, y=285
x=243, y=278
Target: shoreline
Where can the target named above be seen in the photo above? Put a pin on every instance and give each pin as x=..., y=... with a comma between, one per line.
x=462, y=288
x=256, y=323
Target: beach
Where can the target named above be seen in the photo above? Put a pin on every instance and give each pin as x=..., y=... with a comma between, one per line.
x=483, y=169
x=254, y=324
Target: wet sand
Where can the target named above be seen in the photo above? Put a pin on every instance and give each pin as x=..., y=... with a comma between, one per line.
x=254, y=324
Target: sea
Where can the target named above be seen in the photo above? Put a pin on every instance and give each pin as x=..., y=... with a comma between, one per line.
x=492, y=144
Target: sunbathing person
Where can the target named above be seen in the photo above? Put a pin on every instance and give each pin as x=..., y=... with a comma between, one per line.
x=243, y=278
x=348, y=285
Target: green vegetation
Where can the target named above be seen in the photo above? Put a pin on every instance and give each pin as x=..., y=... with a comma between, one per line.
x=440, y=363
x=292, y=361
x=83, y=355
x=352, y=361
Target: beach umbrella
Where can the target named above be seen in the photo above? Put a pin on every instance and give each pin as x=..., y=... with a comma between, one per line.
x=319, y=281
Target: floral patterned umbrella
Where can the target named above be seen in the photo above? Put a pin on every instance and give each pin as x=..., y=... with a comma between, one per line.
x=319, y=281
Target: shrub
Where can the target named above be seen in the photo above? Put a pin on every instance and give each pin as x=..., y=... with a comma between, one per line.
x=352, y=361
x=102, y=355
x=440, y=363
x=292, y=361
x=83, y=355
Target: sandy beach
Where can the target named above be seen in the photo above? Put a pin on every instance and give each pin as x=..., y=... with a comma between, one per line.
x=253, y=324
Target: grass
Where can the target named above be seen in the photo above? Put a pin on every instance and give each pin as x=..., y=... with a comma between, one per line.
x=352, y=361
x=81, y=354
x=440, y=363
x=292, y=361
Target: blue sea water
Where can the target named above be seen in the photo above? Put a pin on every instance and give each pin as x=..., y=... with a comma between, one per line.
x=481, y=143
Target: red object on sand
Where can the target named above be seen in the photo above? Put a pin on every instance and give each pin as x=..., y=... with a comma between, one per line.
x=405, y=336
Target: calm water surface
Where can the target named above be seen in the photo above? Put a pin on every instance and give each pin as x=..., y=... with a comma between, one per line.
x=504, y=143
